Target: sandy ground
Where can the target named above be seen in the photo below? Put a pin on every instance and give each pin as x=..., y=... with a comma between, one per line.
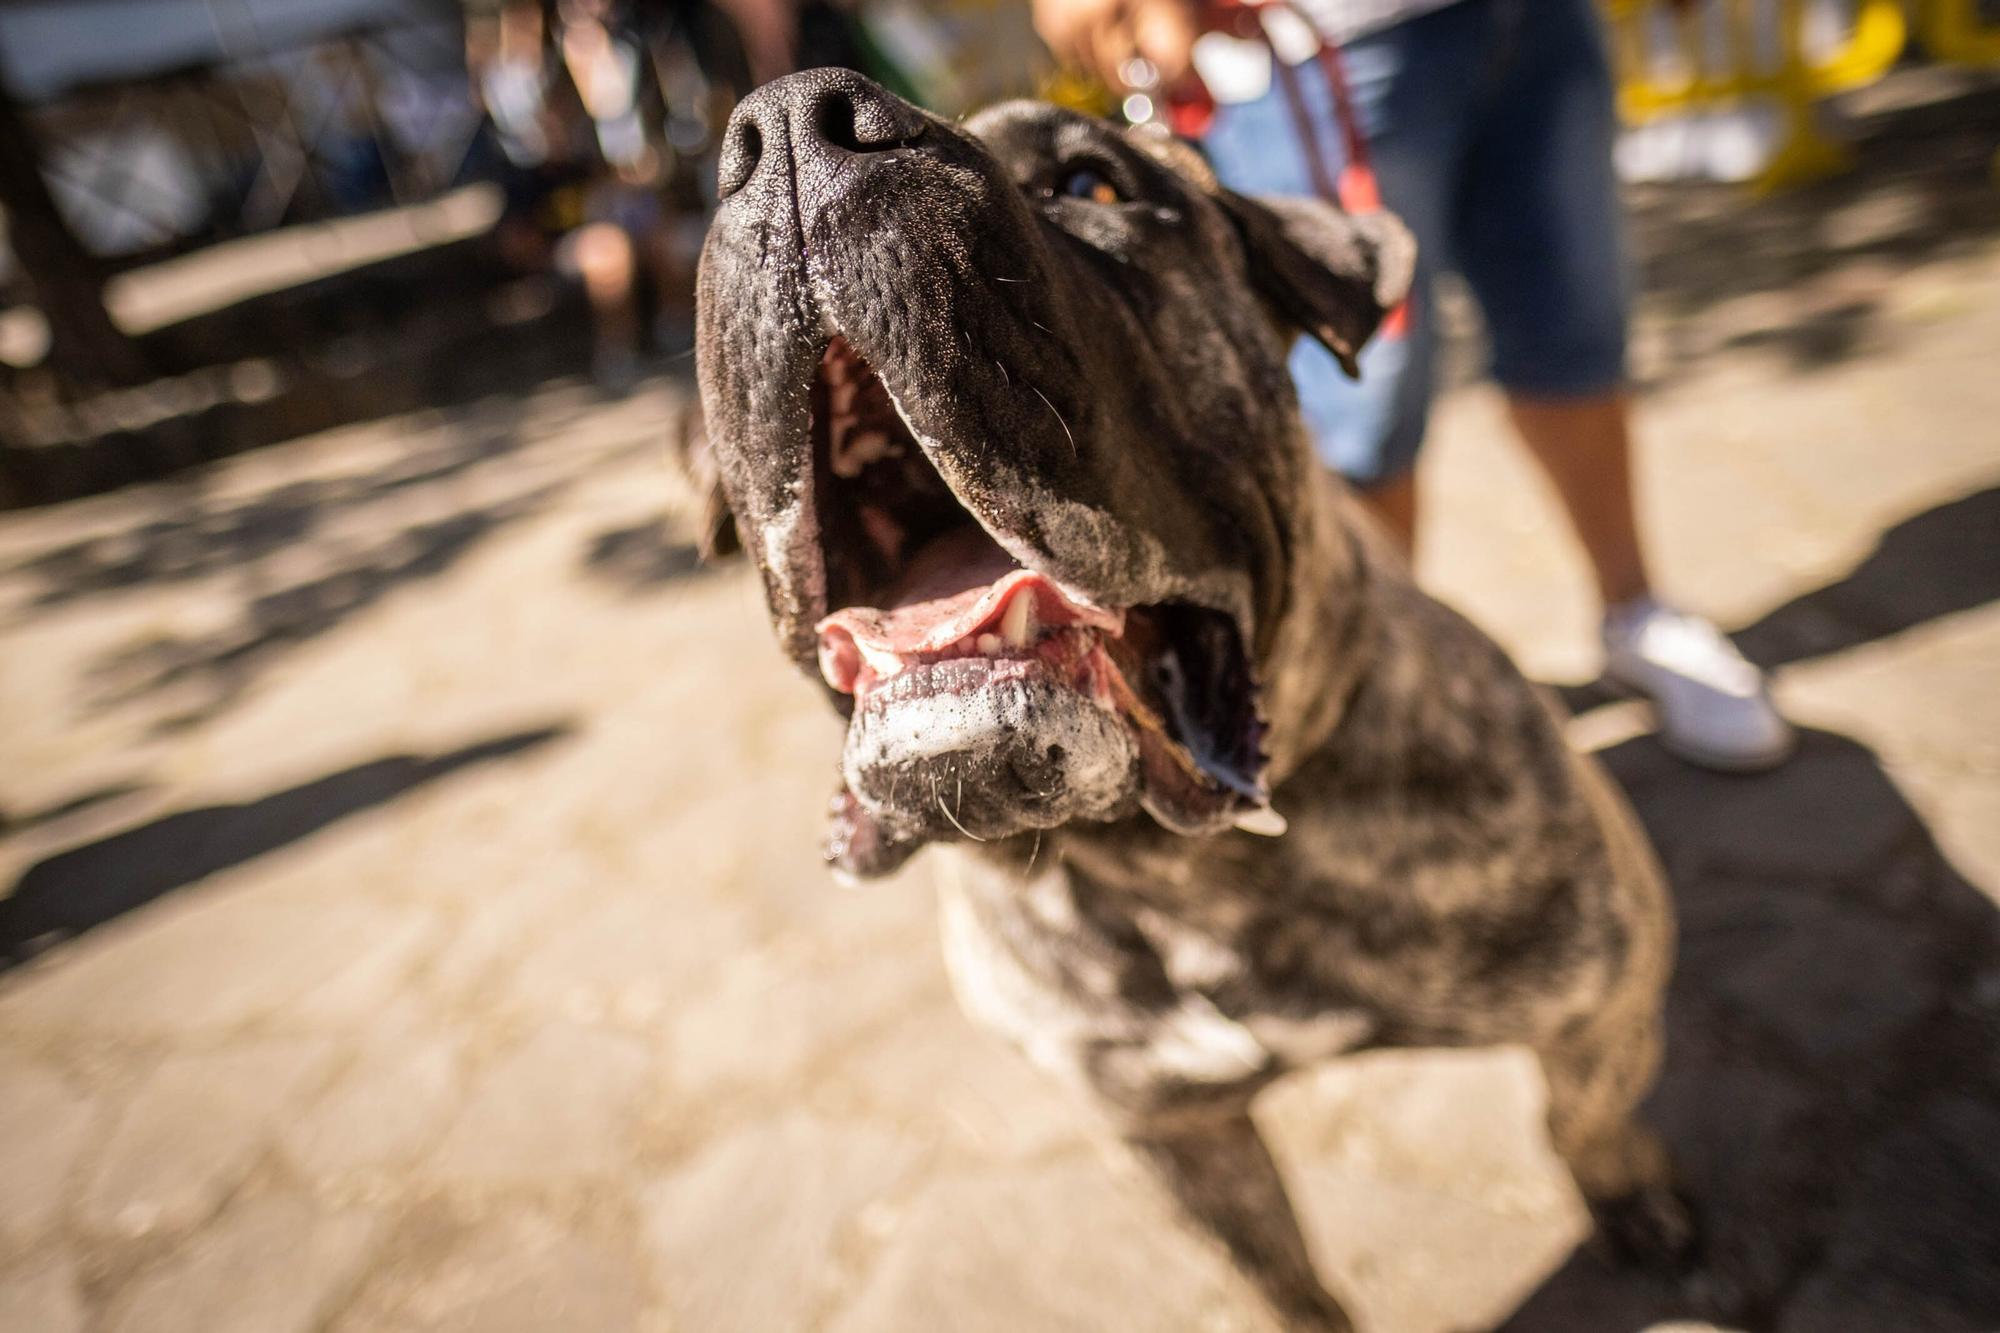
x=416, y=924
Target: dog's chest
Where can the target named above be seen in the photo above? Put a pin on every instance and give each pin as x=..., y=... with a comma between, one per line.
x=1066, y=969
x=1211, y=960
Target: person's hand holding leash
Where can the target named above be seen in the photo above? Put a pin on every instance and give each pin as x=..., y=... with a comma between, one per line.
x=1105, y=36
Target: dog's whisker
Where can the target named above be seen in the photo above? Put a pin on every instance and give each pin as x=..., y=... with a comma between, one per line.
x=1033, y=852
x=1001, y=366
x=943, y=810
x=1059, y=421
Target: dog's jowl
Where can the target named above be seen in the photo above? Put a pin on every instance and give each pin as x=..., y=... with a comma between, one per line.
x=1002, y=413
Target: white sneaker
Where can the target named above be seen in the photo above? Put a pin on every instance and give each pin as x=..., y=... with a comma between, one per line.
x=1713, y=707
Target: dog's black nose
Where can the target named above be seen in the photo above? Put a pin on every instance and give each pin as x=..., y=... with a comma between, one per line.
x=812, y=117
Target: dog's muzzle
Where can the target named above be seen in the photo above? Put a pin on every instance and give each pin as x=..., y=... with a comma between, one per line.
x=905, y=443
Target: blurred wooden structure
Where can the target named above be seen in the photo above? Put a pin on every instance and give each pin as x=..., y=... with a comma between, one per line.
x=121, y=145
x=65, y=281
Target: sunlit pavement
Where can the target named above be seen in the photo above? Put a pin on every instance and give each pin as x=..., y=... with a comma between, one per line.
x=419, y=925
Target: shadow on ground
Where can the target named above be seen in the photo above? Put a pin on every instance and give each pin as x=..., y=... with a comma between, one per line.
x=75, y=805
x=1823, y=260
x=1832, y=1083
x=208, y=536
x=1937, y=563
x=1941, y=561
x=223, y=662
x=441, y=326
x=82, y=888
x=642, y=557
x=300, y=559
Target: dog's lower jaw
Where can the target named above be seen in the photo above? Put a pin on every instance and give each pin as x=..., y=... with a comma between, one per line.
x=988, y=762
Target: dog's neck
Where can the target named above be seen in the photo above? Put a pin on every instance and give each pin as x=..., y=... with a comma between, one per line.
x=1324, y=641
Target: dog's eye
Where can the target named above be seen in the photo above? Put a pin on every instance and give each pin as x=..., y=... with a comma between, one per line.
x=1088, y=183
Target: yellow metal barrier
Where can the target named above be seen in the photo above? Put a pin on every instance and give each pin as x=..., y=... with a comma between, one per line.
x=1749, y=69
x=1952, y=31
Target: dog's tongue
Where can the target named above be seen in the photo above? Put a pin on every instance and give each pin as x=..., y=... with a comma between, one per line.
x=956, y=586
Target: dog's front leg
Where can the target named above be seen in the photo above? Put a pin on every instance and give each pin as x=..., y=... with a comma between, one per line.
x=1043, y=962
x=1596, y=1075
x=1220, y=1176
x=1180, y=1096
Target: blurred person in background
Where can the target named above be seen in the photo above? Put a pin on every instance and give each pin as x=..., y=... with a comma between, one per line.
x=1489, y=126
x=621, y=246
x=540, y=138
x=608, y=114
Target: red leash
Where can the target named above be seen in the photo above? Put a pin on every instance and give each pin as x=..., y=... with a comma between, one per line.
x=1191, y=110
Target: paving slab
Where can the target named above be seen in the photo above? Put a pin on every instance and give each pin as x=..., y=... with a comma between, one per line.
x=45, y=1122
x=269, y=1264
x=41, y=1296
x=191, y=1131
x=206, y=962
x=950, y=1083
x=518, y=1272
x=556, y=1107
x=1063, y=1248
x=389, y=1105
x=751, y=1233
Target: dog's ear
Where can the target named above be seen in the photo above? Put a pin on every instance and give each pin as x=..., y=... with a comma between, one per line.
x=715, y=538
x=1326, y=271
x=1330, y=273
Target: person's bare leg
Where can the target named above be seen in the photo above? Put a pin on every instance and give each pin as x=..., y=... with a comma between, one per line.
x=604, y=257
x=1713, y=706
x=1585, y=446
x=1394, y=505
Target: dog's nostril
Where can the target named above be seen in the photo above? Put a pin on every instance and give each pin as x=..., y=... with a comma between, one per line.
x=803, y=120
x=860, y=120
x=741, y=149
x=835, y=122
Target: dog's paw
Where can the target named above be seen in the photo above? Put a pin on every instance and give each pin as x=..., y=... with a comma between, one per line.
x=1657, y=1232
x=1650, y=1228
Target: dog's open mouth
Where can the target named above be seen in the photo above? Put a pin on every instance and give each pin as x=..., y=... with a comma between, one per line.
x=963, y=663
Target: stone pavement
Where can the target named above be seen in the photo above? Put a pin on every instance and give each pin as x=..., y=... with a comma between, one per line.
x=417, y=924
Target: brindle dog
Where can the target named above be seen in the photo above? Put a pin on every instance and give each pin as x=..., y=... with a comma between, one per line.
x=1002, y=413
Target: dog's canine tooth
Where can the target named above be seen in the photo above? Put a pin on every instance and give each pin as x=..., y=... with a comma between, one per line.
x=1263, y=821
x=1017, y=624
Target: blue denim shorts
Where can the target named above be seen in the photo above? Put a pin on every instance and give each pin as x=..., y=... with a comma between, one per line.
x=1490, y=127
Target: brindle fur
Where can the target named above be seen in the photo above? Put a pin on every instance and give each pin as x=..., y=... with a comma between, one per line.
x=1453, y=875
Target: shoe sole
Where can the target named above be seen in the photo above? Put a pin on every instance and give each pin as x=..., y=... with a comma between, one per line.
x=1733, y=764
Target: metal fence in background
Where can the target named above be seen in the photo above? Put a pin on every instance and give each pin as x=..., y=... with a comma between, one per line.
x=272, y=133
x=1783, y=57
